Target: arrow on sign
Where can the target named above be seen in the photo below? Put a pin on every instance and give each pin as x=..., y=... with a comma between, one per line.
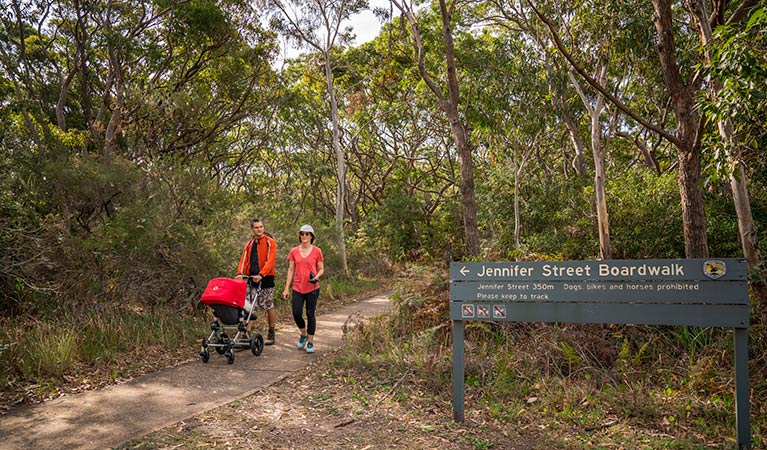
x=464, y=270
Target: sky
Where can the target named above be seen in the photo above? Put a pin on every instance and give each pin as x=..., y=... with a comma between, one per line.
x=365, y=25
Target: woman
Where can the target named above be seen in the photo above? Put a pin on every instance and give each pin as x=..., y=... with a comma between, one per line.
x=305, y=268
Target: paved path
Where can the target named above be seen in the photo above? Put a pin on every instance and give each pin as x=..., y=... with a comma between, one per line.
x=109, y=417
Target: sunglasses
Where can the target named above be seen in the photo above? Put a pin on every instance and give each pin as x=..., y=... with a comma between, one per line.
x=304, y=233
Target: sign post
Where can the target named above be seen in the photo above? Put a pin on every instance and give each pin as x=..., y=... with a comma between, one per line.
x=683, y=292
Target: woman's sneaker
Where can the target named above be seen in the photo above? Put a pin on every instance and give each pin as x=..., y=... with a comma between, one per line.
x=309, y=347
x=302, y=341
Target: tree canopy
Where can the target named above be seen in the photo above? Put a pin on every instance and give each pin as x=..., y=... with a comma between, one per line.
x=138, y=137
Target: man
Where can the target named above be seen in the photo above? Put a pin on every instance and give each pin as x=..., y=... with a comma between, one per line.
x=257, y=261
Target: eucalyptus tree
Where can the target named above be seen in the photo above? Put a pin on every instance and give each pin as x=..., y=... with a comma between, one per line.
x=449, y=99
x=402, y=175
x=309, y=175
x=735, y=147
x=735, y=52
x=514, y=18
x=685, y=138
x=316, y=24
x=598, y=151
x=595, y=40
x=510, y=118
x=113, y=65
x=681, y=50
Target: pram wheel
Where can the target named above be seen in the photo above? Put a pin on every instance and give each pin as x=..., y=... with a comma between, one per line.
x=204, y=354
x=222, y=340
x=257, y=344
x=229, y=357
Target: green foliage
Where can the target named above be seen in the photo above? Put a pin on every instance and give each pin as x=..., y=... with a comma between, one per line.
x=644, y=213
x=645, y=216
x=127, y=237
x=44, y=351
x=401, y=227
x=739, y=67
x=722, y=227
x=557, y=218
x=201, y=18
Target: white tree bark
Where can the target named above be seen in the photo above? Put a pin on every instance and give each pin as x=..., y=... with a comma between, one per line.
x=603, y=223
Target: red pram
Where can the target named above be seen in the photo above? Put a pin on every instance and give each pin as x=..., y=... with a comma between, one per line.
x=226, y=296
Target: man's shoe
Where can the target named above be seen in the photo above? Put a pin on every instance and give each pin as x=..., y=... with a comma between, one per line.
x=309, y=347
x=302, y=342
x=269, y=337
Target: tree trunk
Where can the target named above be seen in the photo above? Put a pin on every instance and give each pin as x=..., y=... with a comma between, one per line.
x=469, y=204
x=557, y=101
x=341, y=165
x=578, y=163
x=449, y=106
x=115, y=122
x=605, y=249
x=746, y=227
x=61, y=120
x=603, y=224
x=517, y=224
x=688, y=151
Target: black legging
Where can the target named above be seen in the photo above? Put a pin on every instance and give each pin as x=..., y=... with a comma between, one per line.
x=311, y=307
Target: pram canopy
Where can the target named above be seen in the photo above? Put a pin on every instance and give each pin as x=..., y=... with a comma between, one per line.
x=225, y=291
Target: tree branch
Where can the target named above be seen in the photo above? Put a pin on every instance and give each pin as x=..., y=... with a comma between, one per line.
x=593, y=83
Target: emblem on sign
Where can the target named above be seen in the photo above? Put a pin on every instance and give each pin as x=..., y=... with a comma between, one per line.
x=467, y=311
x=714, y=268
x=483, y=312
x=499, y=311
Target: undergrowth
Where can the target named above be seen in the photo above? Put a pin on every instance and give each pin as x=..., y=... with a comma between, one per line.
x=38, y=357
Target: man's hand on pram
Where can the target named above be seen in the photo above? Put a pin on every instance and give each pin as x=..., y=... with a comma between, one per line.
x=255, y=278
x=252, y=280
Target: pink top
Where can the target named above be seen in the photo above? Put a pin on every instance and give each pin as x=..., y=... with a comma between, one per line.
x=304, y=265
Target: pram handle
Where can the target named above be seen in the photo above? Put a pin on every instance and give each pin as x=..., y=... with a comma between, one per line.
x=250, y=278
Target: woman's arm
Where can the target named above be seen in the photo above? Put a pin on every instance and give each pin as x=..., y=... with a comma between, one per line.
x=320, y=270
x=289, y=278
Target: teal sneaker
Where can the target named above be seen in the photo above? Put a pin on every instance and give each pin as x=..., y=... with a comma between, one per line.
x=302, y=341
x=309, y=348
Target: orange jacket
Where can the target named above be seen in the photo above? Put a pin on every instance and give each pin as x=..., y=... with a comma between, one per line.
x=267, y=256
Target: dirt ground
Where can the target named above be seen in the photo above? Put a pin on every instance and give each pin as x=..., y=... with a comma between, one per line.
x=328, y=408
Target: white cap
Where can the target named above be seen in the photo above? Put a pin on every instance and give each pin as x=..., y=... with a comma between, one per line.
x=307, y=228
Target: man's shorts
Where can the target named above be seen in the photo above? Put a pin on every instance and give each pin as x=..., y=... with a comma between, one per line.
x=264, y=299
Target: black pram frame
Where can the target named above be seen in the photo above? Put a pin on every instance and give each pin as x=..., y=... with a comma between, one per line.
x=233, y=319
